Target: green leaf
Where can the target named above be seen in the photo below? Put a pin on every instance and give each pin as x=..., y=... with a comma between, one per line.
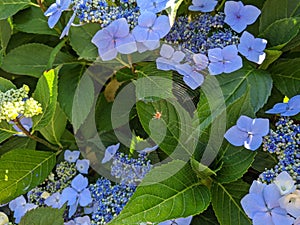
x=281, y=32
x=11, y=7
x=80, y=40
x=21, y=170
x=43, y=216
x=236, y=162
x=208, y=217
x=277, y=9
x=172, y=10
x=17, y=142
x=271, y=56
x=286, y=76
x=31, y=59
x=226, y=203
x=55, y=129
x=264, y=160
x=201, y=170
x=5, y=85
x=5, y=33
x=32, y=20
x=46, y=94
x=6, y=131
x=164, y=194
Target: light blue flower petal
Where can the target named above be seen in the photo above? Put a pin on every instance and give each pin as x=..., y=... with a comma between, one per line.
x=71, y=156
x=257, y=187
x=216, y=68
x=162, y=26
x=253, y=142
x=141, y=47
x=119, y=28
x=53, y=19
x=178, y=56
x=278, y=108
x=262, y=218
x=230, y=52
x=73, y=209
x=52, y=9
x=290, y=112
x=215, y=55
x=164, y=64
x=280, y=217
x=65, y=4
x=201, y=61
x=68, y=195
x=294, y=102
x=259, y=44
x=271, y=195
x=166, y=51
x=103, y=39
x=204, y=5
x=260, y=127
x=79, y=183
x=184, y=69
x=83, y=165
x=153, y=41
x=140, y=33
x=250, y=13
x=65, y=31
x=85, y=198
x=147, y=19
x=231, y=11
x=257, y=57
x=148, y=150
x=194, y=80
x=244, y=123
x=235, y=136
x=234, y=65
x=126, y=45
x=252, y=204
x=110, y=152
x=109, y=53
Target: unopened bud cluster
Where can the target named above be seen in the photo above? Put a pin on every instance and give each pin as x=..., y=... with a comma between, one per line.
x=16, y=102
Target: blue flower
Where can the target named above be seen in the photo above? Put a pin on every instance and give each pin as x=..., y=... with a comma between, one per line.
x=252, y=48
x=20, y=207
x=151, y=29
x=179, y=221
x=248, y=132
x=238, y=16
x=78, y=193
x=65, y=31
x=71, y=156
x=203, y=5
x=85, y=220
x=55, y=10
x=262, y=205
x=291, y=108
x=190, y=76
x=155, y=6
x=26, y=123
x=113, y=39
x=149, y=149
x=110, y=152
x=224, y=60
x=54, y=201
x=82, y=165
x=169, y=58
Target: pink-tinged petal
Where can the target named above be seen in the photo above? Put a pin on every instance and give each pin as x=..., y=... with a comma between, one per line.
x=147, y=19
x=253, y=142
x=260, y=127
x=85, y=198
x=166, y=51
x=235, y=136
x=140, y=33
x=162, y=26
x=126, y=45
x=251, y=13
x=271, y=195
x=244, y=123
x=253, y=204
x=262, y=218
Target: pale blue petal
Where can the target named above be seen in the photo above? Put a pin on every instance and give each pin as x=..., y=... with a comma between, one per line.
x=244, y=123
x=147, y=19
x=250, y=13
x=262, y=218
x=52, y=9
x=239, y=26
x=153, y=41
x=140, y=33
x=85, y=198
x=201, y=61
x=257, y=57
x=230, y=53
x=72, y=209
x=233, y=65
x=108, y=53
x=162, y=26
x=294, y=102
x=204, y=5
x=278, y=108
x=166, y=51
x=271, y=195
x=65, y=4
x=194, y=80
x=215, y=55
x=259, y=44
x=79, y=183
x=126, y=45
x=148, y=150
x=235, y=136
x=184, y=69
x=71, y=156
x=68, y=195
x=231, y=10
x=178, y=56
x=290, y=112
x=53, y=19
x=110, y=152
x=260, y=127
x=281, y=219
x=252, y=204
x=216, y=68
x=194, y=8
x=257, y=187
x=141, y=47
x=164, y=64
x=184, y=221
x=65, y=31
x=253, y=142
x=83, y=165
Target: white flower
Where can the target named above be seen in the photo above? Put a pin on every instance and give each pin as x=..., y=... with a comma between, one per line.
x=285, y=183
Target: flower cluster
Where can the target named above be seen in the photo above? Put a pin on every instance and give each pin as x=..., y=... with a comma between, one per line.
x=16, y=103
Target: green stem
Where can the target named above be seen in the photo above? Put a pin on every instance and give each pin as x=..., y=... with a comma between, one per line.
x=40, y=4
x=221, y=5
x=33, y=137
x=123, y=63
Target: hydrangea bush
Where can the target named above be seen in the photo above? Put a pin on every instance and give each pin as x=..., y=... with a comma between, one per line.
x=143, y=112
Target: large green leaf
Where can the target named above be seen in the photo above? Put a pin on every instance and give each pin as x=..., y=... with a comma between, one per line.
x=5, y=85
x=208, y=217
x=17, y=142
x=164, y=195
x=80, y=40
x=226, y=203
x=236, y=161
x=281, y=32
x=11, y=7
x=6, y=131
x=21, y=170
x=278, y=9
x=43, y=216
x=286, y=76
x=46, y=94
x=32, y=20
x=31, y=59
x=5, y=33
x=56, y=127
x=264, y=160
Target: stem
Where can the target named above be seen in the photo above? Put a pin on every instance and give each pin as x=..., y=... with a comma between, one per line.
x=33, y=137
x=40, y=3
x=123, y=63
x=221, y=5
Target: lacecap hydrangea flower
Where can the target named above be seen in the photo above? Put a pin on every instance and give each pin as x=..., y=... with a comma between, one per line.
x=155, y=6
x=19, y=206
x=203, y=5
x=248, y=132
x=55, y=10
x=291, y=108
